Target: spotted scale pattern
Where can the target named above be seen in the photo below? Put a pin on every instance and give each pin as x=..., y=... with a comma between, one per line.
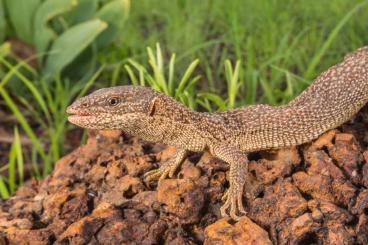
x=333, y=98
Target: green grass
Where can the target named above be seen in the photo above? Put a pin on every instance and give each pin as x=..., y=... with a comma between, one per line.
x=213, y=55
x=45, y=106
x=282, y=45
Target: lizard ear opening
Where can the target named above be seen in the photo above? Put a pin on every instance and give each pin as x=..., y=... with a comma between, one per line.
x=153, y=106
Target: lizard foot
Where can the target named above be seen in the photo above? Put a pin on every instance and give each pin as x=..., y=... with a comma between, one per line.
x=233, y=202
x=167, y=169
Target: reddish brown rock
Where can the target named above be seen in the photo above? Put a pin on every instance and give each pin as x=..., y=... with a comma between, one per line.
x=25, y=237
x=365, y=170
x=346, y=153
x=298, y=230
x=317, y=186
x=279, y=202
x=181, y=197
x=83, y=230
x=97, y=195
x=324, y=180
x=278, y=164
x=362, y=229
x=244, y=231
x=137, y=165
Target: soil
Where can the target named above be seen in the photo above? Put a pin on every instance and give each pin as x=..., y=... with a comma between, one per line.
x=312, y=194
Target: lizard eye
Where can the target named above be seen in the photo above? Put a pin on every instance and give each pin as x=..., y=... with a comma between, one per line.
x=114, y=101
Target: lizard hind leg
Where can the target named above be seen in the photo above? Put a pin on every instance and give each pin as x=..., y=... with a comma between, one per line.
x=168, y=168
x=233, y=197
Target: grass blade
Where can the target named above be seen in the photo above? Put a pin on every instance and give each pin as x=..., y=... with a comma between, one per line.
x=317, y=57
x=11, y=168
x=2, y=22
x=4, y=192
x=23, y=122
x=186, y=76
x=19, y=155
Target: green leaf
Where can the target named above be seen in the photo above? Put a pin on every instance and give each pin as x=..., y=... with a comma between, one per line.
x=4, y=192
x=19, y=155
x=268, y=92
x=220, y=103
x=115, y=14
x=85, y=10
x=2, y=22
x=21, y=13
x=28, y=83
x=233, y=83
x=70, y=44
x=11, y=168
x=186, y=75
x=47, y=11
x=331, y=37
x=23, y=122
x=5, y=49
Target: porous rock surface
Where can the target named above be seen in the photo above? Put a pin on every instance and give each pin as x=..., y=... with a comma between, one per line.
x=313, y=194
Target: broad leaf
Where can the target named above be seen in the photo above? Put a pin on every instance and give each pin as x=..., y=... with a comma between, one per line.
x=114, y=13
x=21, y=13
x=85, y=10
x=70, y=44
x=44, y=34
x=2, y=22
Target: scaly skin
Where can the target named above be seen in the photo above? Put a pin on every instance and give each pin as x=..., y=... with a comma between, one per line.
x=335, y=96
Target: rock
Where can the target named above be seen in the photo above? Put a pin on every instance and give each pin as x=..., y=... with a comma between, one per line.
x=295, y=231
x=276, y=165
x=244, y=231
x=362, y=229
x=346, y=153
x=23, y=237
x=137, y=165
x=279, y=202
x=312, y=194
x=361, y=204
x=181, y=197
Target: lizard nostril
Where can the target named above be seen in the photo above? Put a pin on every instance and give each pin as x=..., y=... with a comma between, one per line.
x=84, y=104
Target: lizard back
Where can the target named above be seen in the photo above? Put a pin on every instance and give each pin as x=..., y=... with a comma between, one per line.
x=333, y=98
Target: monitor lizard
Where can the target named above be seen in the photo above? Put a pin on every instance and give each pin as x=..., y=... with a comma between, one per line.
x=333, y=98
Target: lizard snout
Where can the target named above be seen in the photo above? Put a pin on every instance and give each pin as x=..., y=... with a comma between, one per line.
x=77, y=107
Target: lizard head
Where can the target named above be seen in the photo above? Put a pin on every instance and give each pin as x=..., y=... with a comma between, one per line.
x=113, y=108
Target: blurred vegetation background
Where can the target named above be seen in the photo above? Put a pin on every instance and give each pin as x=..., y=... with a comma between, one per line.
x=210, y=55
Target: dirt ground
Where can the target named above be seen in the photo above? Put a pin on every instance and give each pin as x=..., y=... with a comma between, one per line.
x=313, y=194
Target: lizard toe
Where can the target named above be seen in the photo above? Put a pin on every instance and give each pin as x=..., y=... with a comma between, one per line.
x=233, y=205
x=240, y=204
x=164, y=173
x=223, y=210
x=153, y=175
x=224, y=197
x=172, y=172
x=233, y=215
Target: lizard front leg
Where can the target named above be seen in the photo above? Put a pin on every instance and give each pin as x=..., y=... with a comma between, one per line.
x=168, y=168
x=238, y=162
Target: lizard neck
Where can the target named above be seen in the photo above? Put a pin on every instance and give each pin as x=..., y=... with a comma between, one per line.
x=170, y=109
x=170, y=123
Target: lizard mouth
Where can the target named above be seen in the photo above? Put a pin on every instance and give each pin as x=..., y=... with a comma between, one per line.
x=80, y=114
x=80, y=119
x=74, y=112
x=76, y=116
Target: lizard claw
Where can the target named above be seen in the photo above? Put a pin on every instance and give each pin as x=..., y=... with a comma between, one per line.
x=155, y=174
x=233, y=203
x=167, y=169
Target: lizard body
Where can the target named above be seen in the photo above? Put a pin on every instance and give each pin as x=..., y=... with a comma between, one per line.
x=333, y=98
